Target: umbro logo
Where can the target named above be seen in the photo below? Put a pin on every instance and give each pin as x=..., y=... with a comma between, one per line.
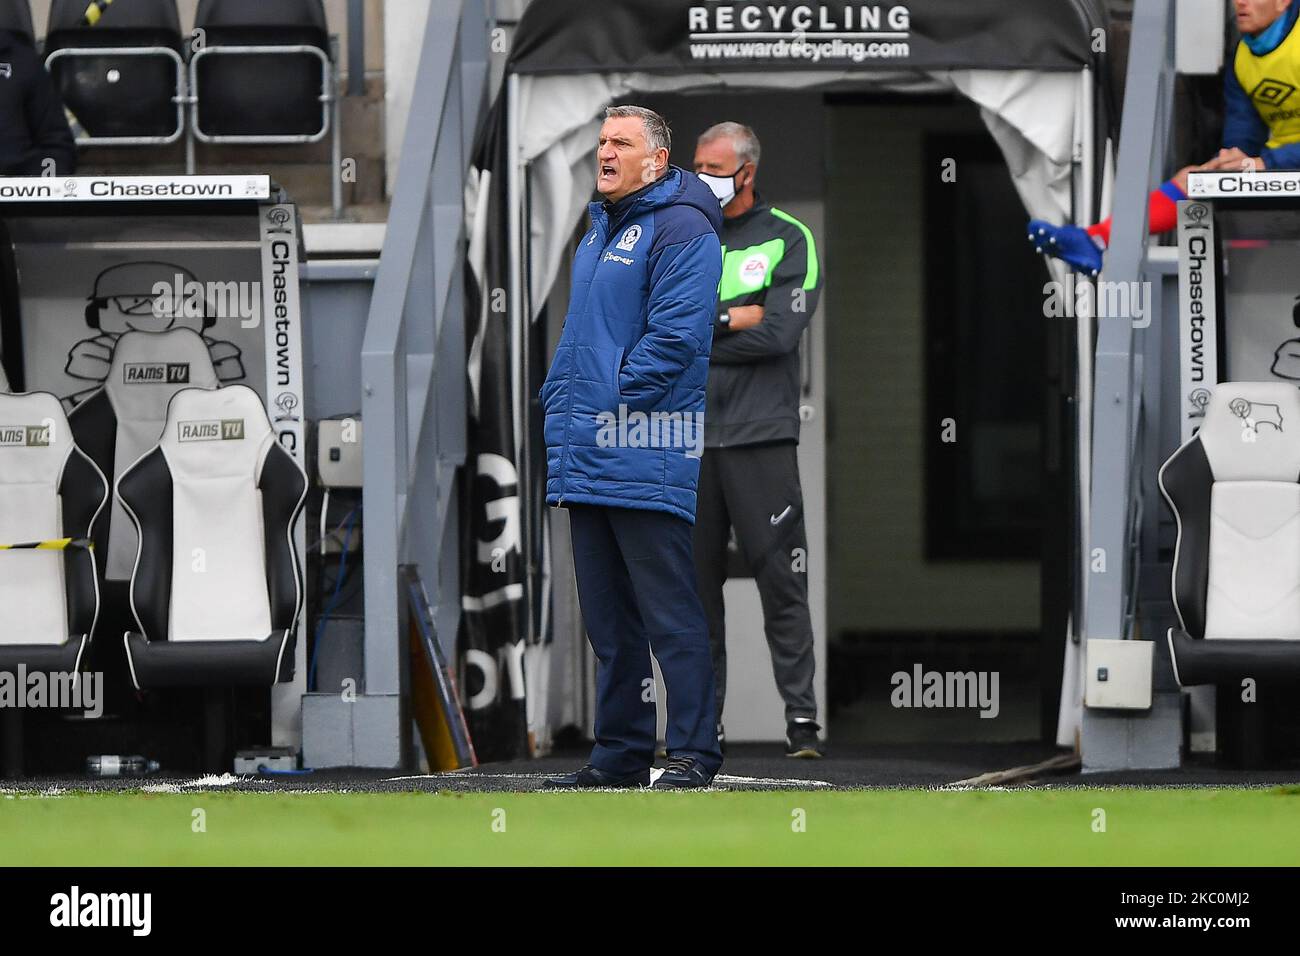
x=6, y=70
x=1272, y=92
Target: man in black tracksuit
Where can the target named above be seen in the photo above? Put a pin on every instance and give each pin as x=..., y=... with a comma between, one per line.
x=33, y=127
x=749, y=476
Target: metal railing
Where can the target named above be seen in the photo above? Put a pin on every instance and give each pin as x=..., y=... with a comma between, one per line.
x=413, y=361
x=1119, y=387
x=187, y=95
x=179, y=98
x=326, y=97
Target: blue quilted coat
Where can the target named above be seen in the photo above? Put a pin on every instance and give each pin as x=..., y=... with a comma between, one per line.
x=625, y=392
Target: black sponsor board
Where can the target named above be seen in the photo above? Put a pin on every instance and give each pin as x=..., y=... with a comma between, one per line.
x=565, y=36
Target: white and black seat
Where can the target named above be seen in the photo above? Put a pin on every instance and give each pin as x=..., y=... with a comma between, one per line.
x=217, y=583
x=1235, y=491
x=124, y=418
x=49, y=490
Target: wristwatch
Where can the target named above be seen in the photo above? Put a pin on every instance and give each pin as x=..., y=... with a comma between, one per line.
x=724, y=319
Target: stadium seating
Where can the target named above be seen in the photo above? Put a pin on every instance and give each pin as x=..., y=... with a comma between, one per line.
x=124, y=419
x=217, y=584
x=1235, y=491
x=49, y=489
x=280, y=94
x=16, y=17
x=133, y=94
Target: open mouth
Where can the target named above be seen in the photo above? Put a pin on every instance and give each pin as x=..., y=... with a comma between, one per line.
x=607, y=171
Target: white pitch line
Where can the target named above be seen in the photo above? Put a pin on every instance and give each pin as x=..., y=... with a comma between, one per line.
x=721, y=778
x=771, y=781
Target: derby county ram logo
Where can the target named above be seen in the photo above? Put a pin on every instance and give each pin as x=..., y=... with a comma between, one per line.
x=1255, y=414
x=629, y=240
x=1197, y=212
x=287, y=403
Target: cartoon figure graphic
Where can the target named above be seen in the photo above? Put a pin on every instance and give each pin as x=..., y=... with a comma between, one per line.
x=122, y=301
x=1286, y=360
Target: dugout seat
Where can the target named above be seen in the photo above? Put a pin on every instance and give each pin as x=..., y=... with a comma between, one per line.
x=1235, y=491
x=128, y=96
x=122, y=420
x=217, y=584
x=49, y=489
x=232, y=88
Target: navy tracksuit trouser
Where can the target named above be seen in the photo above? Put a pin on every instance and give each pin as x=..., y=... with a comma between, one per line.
x=636, y=584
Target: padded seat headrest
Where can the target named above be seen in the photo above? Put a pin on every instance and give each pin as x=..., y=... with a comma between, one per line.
x=148, y=368
x=35, y=440
x=219, y=433
x=1252, y=431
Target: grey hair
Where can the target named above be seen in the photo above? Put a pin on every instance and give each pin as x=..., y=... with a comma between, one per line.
x=657, y=134
x=748, y=148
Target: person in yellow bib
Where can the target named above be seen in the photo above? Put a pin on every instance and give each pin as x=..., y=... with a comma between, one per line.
x=1261, y=128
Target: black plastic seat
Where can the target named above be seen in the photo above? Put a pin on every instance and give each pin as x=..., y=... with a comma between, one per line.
x=119, y=95
x=276, y=96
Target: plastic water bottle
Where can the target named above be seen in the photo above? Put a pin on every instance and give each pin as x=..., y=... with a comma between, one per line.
x=111, y=765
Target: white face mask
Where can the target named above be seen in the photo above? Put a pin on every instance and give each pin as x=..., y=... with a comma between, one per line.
x=724, y=187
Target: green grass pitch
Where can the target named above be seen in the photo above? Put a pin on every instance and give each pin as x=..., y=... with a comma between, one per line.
x=879, y=827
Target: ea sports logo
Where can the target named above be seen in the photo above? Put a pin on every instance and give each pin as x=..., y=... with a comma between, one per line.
x=754, y=270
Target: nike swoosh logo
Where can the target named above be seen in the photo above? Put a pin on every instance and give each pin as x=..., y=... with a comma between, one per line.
x=777, y=519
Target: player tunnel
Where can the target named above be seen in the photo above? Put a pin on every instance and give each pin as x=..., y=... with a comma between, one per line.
x=921, y=545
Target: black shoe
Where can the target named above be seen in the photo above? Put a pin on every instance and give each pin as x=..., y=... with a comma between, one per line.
x=589, y=777
x=683, y=773
x=801, y=739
